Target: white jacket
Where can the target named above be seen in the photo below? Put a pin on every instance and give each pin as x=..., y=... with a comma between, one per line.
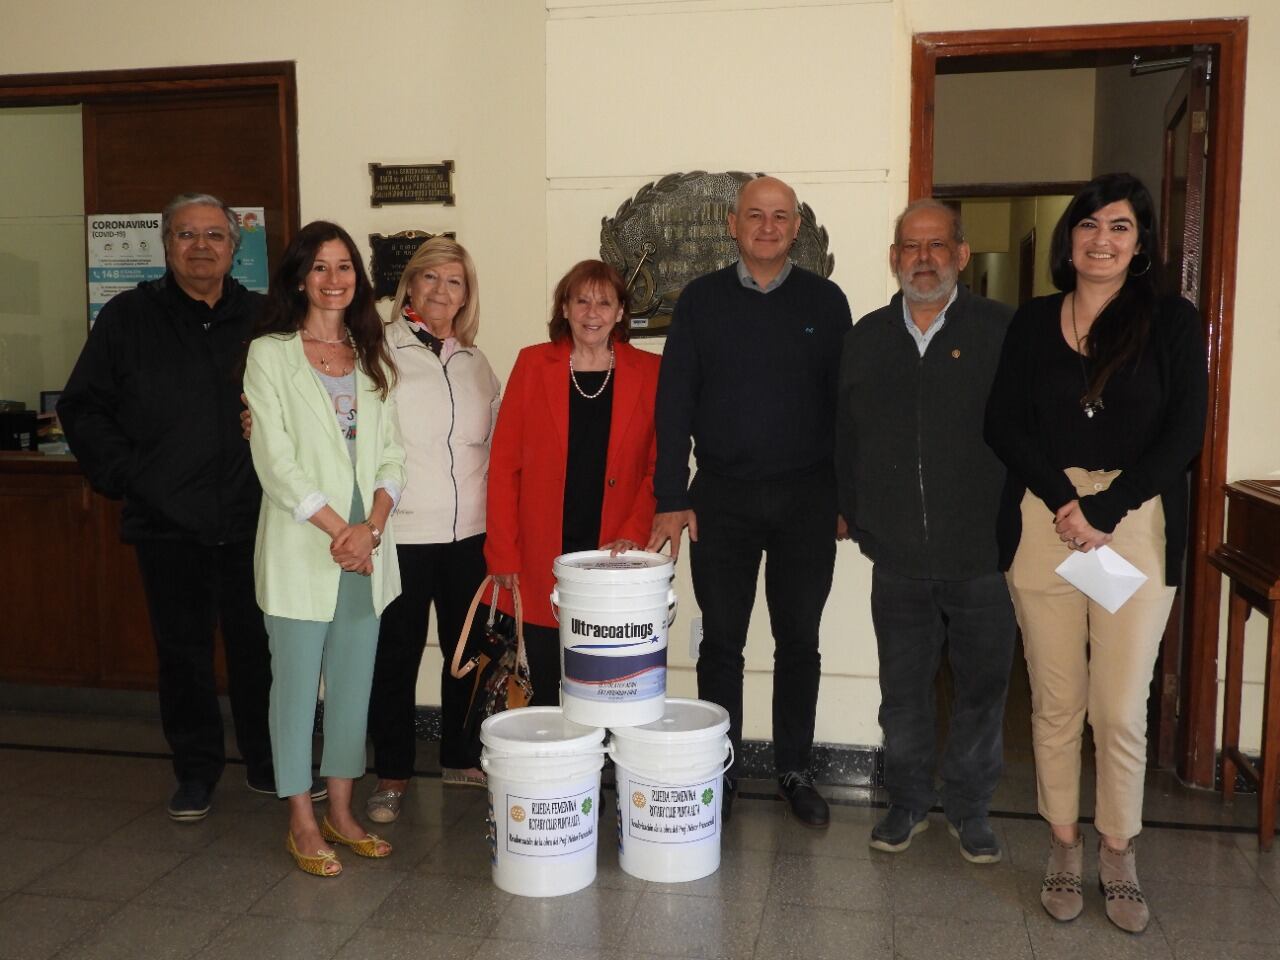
x=447, y=411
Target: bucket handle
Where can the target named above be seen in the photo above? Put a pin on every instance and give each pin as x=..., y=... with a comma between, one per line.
x=673, y=604
x=658, y=783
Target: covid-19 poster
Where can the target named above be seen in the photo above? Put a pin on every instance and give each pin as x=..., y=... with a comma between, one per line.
x=126, y=249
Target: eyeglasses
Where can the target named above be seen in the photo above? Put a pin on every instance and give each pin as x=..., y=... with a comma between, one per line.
x=211, y=236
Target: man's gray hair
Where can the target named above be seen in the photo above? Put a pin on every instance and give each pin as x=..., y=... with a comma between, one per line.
x=928, y=203
x=733, y=204
x=202, y=200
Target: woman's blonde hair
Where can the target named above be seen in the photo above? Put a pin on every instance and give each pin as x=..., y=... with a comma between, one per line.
x=434, y=253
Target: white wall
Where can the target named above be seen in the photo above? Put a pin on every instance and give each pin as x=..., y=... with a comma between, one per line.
x=1129, y=123
x=43, y=318
x=1018, y=126
x=555, y=115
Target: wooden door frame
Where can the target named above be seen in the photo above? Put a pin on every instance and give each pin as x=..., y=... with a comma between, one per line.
x=98, y=86
x=1197, y=746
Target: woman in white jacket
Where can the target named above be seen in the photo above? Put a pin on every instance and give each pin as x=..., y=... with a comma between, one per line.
x=448, y=397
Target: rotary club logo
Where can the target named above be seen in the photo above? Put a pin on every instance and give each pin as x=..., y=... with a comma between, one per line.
x=638, y=800
x=517, y=813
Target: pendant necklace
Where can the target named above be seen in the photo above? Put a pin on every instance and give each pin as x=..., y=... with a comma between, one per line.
x=1090, y=407
x=574, y=377
x=324, y=361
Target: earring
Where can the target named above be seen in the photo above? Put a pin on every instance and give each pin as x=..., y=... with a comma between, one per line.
x=301, y=287
x=1145, y=267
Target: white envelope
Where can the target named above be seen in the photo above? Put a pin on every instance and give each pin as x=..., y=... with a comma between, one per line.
x=1103, y=576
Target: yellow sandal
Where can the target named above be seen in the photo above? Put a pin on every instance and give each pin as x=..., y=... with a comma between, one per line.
x=367, y=846
x=317, y=866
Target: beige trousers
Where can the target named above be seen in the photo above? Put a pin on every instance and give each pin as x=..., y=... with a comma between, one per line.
x=1083, y=660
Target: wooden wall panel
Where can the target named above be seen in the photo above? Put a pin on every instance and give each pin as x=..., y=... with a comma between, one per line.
x=141, y=152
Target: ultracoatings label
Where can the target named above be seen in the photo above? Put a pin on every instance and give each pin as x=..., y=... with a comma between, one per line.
x=551, y=826
x=671, y=814
x=615, y=659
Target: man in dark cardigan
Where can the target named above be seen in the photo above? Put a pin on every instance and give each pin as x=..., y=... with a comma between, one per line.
x=919, y=490
x=749, y=381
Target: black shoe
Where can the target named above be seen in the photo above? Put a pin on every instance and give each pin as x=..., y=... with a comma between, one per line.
x=978, y=843
x=806, y=803
x=190, y=802
x=730, y=788
x=896, y=828
x=265, y=782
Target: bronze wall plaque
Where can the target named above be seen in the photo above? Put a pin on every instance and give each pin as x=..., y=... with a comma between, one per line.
x=677, y=228
x=390, y=255
x=411, y=183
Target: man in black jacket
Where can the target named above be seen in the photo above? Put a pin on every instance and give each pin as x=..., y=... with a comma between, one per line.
x=749, y=376
x=919, y=490
x=152, y=413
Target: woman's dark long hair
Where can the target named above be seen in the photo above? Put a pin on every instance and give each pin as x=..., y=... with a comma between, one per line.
x=1120, y=332
x=287, y=303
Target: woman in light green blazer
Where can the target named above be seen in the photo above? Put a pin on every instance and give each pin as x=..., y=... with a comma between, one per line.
x=326, y=446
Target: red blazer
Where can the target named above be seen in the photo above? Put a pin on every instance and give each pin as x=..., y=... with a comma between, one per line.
x=527, y=464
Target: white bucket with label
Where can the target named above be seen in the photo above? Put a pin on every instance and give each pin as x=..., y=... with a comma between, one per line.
x=670, y=776
x=544, y=800
x=614, y=613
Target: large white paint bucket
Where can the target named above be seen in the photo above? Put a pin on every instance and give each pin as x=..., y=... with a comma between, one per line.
x=544, y=800
x=670, y=776
x=614, y=613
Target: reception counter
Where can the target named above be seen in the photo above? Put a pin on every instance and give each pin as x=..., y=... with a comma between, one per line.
x=73, y=611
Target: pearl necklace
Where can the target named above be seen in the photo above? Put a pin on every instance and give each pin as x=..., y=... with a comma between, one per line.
x=574, y=377
x=345, y=338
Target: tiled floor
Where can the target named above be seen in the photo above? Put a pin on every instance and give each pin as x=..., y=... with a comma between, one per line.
x=93, y=869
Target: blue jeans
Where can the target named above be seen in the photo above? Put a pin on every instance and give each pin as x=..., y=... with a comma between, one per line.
x=912, y=618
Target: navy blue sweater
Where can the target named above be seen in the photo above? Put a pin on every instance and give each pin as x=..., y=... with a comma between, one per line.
x=750, y=378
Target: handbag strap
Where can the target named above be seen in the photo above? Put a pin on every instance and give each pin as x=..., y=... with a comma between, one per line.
x=458, y=669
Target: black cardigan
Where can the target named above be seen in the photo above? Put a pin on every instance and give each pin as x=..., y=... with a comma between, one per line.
x=919, y=488
x=1153, y=458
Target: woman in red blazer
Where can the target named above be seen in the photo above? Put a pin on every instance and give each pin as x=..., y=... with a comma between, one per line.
x=571, y=464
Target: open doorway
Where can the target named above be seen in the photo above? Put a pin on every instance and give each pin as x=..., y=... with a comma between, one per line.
x=1186, y=683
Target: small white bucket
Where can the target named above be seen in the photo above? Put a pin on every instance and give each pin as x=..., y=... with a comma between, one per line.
x=670, y=776
x=544, y=800
x=614, y=613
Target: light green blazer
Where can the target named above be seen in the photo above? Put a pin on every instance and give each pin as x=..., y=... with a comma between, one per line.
x=301, y=456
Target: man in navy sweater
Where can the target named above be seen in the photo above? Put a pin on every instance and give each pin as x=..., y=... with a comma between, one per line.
x=920, y=490
x=749, y=381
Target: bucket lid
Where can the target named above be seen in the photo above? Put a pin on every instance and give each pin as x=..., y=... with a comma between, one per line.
x=681, y=721
x=597, y=566
x=538, y=732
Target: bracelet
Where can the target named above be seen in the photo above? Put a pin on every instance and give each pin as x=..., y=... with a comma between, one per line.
x=377, y=534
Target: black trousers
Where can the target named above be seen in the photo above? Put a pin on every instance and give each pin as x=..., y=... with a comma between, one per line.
x=191, y=589
x=542, y=648
x=912, y=618
x=446, y=575
x=791, y=523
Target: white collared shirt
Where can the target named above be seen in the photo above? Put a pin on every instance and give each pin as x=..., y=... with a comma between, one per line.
x=923, y=339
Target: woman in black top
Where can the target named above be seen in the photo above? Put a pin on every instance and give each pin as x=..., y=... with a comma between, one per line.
x=1097, y=409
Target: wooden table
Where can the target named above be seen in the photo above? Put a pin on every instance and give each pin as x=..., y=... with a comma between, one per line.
x=1250, y=559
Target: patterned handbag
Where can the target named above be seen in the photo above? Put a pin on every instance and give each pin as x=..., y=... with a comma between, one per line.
x=501, y=668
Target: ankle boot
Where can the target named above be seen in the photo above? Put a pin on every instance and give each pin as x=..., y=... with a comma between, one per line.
x=1118, y=880
x=1061, y=891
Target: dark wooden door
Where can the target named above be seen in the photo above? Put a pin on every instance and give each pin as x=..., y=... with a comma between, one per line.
x=1182, y=198
x=141, y=151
